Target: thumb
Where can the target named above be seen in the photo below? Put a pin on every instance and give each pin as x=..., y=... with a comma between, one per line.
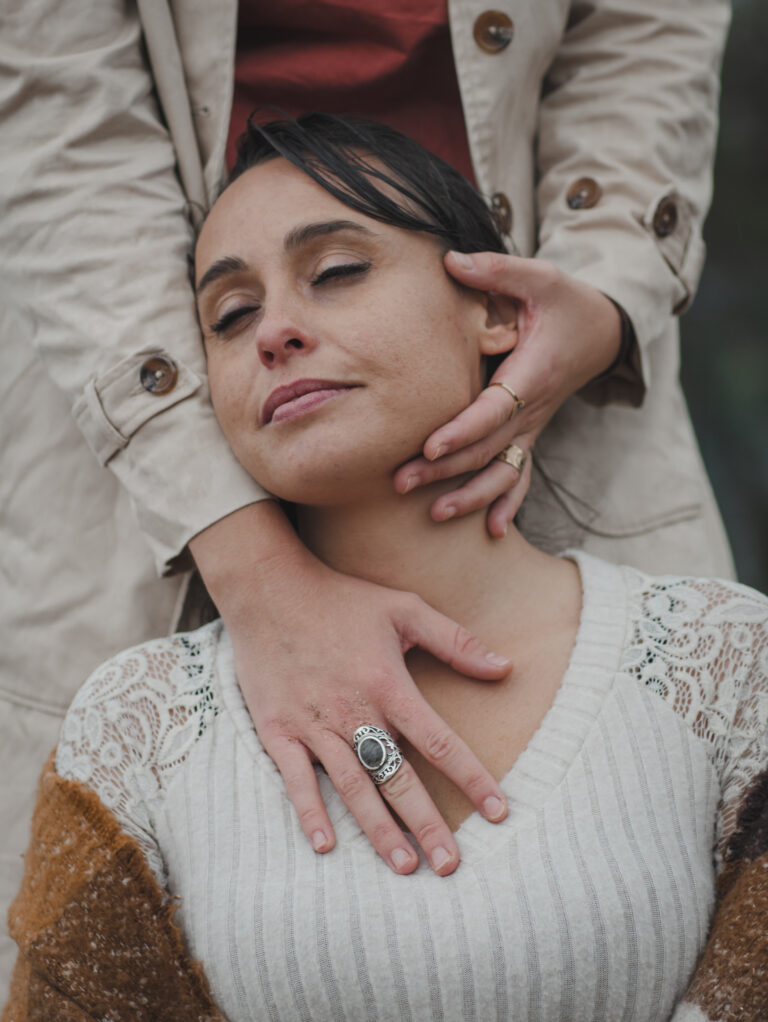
x=454, y=645
x=513, y=276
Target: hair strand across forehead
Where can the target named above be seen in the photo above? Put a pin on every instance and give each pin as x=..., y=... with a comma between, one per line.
x=349, y=157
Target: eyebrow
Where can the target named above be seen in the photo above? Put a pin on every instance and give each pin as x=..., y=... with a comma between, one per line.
x=221, y=268
x=301, y=235
x=294, y=239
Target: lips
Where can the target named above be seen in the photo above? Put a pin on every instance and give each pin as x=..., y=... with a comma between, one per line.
x=291, y=391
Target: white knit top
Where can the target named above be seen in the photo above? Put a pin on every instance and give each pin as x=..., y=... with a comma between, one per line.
x=591, y=901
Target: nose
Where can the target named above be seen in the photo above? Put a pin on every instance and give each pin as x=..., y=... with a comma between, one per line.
x=280, y=338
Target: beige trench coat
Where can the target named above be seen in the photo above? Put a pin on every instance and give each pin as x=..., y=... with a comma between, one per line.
x=115, y=120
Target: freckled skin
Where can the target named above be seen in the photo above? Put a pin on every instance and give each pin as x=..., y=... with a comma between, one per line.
x=403, y=334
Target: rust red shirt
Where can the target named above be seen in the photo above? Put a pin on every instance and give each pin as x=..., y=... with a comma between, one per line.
x=389, y=61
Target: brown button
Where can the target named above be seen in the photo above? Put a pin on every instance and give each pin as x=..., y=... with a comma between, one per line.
x=584, y=193
x=502, y=212
x=493, y=31
x=159, y=374
x=665, y=217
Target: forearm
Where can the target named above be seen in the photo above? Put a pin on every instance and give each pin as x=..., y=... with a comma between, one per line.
x=243, y=556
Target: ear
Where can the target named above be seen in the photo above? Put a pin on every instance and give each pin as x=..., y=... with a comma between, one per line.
x=498, y=333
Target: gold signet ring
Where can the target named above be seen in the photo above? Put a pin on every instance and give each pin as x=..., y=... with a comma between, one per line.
x=514, y=456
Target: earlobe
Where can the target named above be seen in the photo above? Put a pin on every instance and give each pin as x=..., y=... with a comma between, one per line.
x=499, y=331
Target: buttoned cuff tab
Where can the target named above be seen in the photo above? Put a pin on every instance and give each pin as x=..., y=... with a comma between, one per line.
x=670, y=220
x=115, y=405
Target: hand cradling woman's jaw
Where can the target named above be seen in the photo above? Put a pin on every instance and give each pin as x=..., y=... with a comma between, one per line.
x=336, y=343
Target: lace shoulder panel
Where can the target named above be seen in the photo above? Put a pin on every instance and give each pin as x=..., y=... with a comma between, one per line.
x=133, y=723
x=702, y=646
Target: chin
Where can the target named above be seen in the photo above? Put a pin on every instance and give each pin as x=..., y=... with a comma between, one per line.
x=325, y=472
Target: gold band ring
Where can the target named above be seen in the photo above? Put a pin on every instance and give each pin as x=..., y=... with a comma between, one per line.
x=514, y=456
x=518, y=401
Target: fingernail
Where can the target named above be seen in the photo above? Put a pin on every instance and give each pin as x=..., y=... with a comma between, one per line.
x=410, y=482
x=439, y=450
x=497, y=661
x=448, y=512
x=400, y=858
x=439, y=857
x=319, y=841
x=463, y=259
x=493, y=807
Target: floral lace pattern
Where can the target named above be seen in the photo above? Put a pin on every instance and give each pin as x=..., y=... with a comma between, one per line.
x=133, y=723
x=699, y=644
x=702, y=646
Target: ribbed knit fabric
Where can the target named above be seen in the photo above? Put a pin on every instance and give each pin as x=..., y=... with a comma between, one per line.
x=591, y=901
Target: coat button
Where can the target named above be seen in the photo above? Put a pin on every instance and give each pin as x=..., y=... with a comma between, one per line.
x=493, y=31
x=159, y=374
x=584, y=193
x=665, y=217
x=502, y=212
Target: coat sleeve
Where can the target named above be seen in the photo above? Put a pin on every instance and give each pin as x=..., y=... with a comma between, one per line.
x=626, y=136
x=97, y=240
x=95, y=931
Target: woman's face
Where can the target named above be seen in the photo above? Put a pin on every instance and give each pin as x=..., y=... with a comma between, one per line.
x=335, y=343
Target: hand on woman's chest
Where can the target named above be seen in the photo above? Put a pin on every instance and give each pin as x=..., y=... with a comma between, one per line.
x=496, y=719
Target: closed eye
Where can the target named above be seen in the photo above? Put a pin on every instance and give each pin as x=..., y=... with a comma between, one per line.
x=340, y=270
x=230, y=318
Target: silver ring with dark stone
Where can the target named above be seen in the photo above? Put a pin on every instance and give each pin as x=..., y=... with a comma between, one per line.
x=377, y=751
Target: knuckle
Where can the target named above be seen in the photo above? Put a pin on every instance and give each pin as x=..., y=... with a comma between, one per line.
x=384, y=686
x=482, y=455
x=294, y=780
x=283, y=749
x=429, y=831
x=380, y=834
x=278, y=728
x=439, y=746
x=412, y=603
x=310, y=818
x=463, y=641
x=475, y=783
x=350, y=784
x=399, y=785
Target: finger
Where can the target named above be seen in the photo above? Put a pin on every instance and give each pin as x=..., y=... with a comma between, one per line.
x=361, y=797
x=439, y=745
x=490, y=410
x=513, y=276
x=421, y=472
x=419, y=625
x=503, y=510
x=478, y=492
x=409, y=798
x=293, y=761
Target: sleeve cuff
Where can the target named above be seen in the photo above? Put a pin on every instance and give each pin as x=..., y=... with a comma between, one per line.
x=182, y=477
x=621, y=383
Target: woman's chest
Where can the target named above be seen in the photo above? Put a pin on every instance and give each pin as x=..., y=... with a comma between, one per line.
x=496, y=719
x=592, y=904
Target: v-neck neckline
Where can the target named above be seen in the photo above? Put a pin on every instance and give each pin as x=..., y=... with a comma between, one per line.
x=555, y=745
x=544, y=762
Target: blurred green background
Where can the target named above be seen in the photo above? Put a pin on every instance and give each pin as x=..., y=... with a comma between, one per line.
x=725, y=332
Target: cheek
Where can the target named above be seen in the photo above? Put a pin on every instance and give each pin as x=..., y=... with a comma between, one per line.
x=440, y=366
x=229, y=397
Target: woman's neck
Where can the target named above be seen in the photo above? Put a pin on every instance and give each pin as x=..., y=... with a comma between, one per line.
x=491, y=586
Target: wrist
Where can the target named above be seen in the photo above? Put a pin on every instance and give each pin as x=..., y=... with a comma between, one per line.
x=240, y=556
